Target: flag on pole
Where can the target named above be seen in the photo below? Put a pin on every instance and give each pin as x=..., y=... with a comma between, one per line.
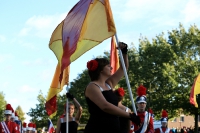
x=51, y=128
x=87, y=24
x=195, y=91
x=114, y=58
x=55, y=88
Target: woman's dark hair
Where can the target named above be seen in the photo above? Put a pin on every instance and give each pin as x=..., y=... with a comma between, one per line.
x=102, y=62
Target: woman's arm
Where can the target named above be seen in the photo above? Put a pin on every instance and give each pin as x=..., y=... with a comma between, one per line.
x=58, y=126
x=78, y=106
x=114, y=79
x=79, y=110
x=120, y=105
x=94, y=94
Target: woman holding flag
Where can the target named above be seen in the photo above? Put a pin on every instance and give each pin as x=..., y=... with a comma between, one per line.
x=101, y=100
x=72, y=121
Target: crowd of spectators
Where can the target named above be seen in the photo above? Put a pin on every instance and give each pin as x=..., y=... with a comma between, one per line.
x=183, y=129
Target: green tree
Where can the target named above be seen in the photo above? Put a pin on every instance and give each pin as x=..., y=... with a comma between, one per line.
x=39, y=115
x=167, y=68
x=2, y=105
x=77, y=88
x=20, y=113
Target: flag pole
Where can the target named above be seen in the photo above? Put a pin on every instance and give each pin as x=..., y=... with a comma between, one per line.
x=67, y=116
x=126, y=76
x=67, y=108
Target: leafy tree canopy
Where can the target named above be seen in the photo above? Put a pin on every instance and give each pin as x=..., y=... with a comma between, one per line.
x=166, y=66
x=2, y=105
x=20, y=113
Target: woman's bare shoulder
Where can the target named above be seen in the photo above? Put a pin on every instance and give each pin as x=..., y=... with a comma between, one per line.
x=91, y=85
x=91, y=88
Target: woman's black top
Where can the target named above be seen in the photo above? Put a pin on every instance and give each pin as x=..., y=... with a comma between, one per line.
x=100, y=121
x=73, y=126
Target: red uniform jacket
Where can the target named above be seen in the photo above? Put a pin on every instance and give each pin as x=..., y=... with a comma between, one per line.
x=18, y=127
x=157, y=130
x=150, y=128
x=12, y=127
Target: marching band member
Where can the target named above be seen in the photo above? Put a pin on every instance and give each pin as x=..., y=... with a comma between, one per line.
x=164, y=121
x=34, y=128
x=8, y=126
x=18, y=122
x=29, y=128
x=24, y=127
x=145, y=117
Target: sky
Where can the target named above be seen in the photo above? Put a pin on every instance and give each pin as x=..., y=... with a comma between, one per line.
x=27, y=65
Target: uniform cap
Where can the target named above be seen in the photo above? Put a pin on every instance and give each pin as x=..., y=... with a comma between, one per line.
x=164, y=116
x=13, y=114
x=8, y=109
x=34, y=126
x=24, y=126
x=16, y=116
x=30, y=126
x=141, y=92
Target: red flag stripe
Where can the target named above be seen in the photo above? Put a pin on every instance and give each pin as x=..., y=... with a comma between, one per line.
x=71, y=30
x=114, y=59
x=51, y=106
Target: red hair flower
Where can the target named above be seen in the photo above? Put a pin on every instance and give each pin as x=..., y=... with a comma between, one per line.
x=121, y=91
x=92, y=65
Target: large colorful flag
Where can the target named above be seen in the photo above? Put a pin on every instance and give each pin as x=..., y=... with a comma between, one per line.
x=87, y=24
x=55, y=88
x=114, y=58
x=195, y=91
x=51, y=128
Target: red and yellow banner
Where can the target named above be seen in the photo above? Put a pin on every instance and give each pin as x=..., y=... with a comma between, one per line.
x=114, y=58
x=87, y=24
x=195, y=91
x=55, y=88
